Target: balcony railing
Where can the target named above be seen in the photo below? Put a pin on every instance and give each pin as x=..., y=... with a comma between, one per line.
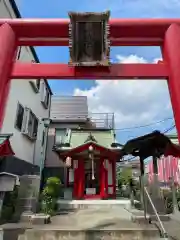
x=93, y=120
x=102, y=120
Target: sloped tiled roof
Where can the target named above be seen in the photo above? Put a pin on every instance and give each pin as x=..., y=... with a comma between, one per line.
x=5, y=146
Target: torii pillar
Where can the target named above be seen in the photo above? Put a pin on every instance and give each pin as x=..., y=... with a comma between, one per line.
x=7, y=53
x=171, y=56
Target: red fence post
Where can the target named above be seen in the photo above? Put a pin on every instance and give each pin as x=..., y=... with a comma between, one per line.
x=171, y=55
x=7, y=53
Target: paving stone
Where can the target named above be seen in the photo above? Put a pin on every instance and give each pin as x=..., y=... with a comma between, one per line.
x=92, y=224
x=172, y=228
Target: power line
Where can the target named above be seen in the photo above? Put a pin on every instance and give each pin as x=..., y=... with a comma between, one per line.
x=129, y=159
x=142, y=126
x=135, y=157
x=169, y=129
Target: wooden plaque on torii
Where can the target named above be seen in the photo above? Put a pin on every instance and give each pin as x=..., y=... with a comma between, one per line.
x=89, y=43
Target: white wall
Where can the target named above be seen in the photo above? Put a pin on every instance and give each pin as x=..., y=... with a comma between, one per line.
x=6, y=10
x=52, y=159
x=21, y=91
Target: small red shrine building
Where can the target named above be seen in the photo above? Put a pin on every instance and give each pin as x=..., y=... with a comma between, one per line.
x=91, y=156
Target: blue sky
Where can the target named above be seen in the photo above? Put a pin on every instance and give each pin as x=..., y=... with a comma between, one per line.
x=119, y=9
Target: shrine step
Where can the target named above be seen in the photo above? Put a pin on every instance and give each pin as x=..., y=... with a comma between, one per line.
x=92, y=204
x=93, y=234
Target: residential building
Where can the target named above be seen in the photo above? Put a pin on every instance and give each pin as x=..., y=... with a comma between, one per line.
x=133, y=164
x=28, y=104
x=167, y=166
x=81, y=149
x=67, y=112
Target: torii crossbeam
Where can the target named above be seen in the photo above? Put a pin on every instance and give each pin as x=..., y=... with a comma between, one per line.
x=123, y=32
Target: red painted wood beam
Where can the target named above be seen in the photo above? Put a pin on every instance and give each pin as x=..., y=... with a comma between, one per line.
x=63, y=71
x=132, y=31
x=114, y=41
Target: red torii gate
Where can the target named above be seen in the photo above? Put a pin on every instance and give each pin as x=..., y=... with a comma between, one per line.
x=123, y=32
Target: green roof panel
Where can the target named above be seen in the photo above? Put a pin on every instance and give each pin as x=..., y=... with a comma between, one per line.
x=103, y=138
x=2, y=139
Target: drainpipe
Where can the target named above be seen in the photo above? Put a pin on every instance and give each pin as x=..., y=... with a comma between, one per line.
x=49, y=115
x=43, y=153
x=46, y=128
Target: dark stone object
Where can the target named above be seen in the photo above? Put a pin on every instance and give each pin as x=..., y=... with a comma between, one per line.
x=153, y=144
x=89, y=43
x=40, y=219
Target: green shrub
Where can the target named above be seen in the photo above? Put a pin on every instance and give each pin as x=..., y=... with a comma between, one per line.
x=52, y=187
x=48, y=205
x=50, y=194
x=7, y=212
x=53, y=181
x=9, y=204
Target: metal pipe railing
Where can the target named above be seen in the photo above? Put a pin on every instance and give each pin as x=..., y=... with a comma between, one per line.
x=163, y=231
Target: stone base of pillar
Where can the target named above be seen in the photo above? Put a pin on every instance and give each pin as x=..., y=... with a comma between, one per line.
x=27, y=196
x=159, y=205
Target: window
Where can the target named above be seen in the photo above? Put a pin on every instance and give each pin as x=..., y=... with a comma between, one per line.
x=38, y=81
x=60, y=136
x=32, y=125
x=45, y=95
x=35, y=128
x=35, y=83
x=47, y=98
x=19, y=117
x=26, y=121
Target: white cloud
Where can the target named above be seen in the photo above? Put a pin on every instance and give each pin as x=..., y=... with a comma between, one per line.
x=134, y=102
